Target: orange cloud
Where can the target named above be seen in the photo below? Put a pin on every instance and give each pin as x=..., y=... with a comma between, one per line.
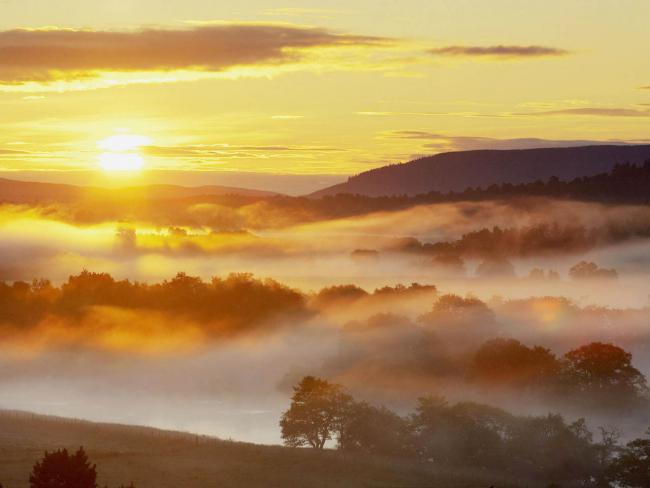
x=52, y=54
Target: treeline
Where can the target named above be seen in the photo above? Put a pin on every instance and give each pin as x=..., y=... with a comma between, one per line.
x=455, y=342
x=238, y=299
x=466, y=434
x=532, y=240
x=597, y=374
x=626, y=183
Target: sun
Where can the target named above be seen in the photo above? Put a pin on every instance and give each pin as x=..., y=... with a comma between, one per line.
x=121, y=152
x=110, y=161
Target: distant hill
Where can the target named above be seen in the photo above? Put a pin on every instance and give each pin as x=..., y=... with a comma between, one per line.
x=457, y=171
x=15, y=191
x=153, y=458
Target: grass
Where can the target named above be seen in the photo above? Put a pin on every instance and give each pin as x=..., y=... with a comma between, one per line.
x=153, y=458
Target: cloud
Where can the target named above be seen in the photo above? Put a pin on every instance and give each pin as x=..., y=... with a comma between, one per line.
x=12, y=152
x=304, y=12
x=227, y=151
x=595, y=111
x=55, y=54
x=444, y=142
x=287, y=117
x=371, y=113
x=499, y=52
x=583, y=111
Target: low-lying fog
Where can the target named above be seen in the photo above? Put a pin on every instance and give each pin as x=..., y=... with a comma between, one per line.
x=231, y=376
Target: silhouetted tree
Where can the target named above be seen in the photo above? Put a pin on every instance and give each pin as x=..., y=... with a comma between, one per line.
x=496, y=267
x=370, y=429
x=508, y=362
x=315, y=414
x=62, y=470
x=548, y=448
x=460, y=320
x=339, y=293
x=603, y=372
x=589, y=270
x=606, y=451
x=452, y=307
x=463, y=433
x=631, y=469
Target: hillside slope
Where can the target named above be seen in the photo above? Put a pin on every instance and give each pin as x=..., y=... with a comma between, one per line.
x=456, y=171
x=154, y=458
x=16, y=191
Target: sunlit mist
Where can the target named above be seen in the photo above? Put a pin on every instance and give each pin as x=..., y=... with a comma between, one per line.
x=324, y=244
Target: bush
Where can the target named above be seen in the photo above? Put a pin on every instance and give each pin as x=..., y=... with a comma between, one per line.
x=59, y=469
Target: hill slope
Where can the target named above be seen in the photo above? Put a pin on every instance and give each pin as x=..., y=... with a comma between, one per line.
x=153, y=458
x=15, y=191
x=456, y=171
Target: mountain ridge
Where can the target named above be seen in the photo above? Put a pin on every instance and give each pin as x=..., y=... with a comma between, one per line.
x=19, y=191
x=460, y=170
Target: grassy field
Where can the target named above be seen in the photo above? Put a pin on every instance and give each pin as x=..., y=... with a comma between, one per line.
x=154, y=458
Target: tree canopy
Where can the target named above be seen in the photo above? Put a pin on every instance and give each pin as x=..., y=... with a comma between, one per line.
x=59, y=469
x=315, y=414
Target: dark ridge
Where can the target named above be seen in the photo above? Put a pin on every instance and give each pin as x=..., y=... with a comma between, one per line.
x=457, y=171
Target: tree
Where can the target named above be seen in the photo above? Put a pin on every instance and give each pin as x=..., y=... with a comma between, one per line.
x=606, y=450
x=589, y=270
x=316, y=413
x=508, y=362
x=496, y=267
x=376, y=430
x=466, y=433
x=631, y=469
x=459, y=320
x=550, y=449
x=62, y=470
x=603, y=372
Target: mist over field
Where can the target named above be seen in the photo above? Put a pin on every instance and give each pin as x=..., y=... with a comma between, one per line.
x=375, y=301
x=324, y=244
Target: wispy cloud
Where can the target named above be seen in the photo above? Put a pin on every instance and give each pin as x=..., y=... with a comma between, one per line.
x=12, y=152
x=391, y=113
x=577, y=111
x=498, y=52
x=55, y=54
x=595, y=112
x=226, y=151
x=443, y=142
x=303, y=12
x=287, y=117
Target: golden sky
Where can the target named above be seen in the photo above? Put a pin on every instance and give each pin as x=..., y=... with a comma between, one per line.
x=312, y=88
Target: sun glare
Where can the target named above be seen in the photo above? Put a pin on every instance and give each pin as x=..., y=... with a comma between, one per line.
x=121, y=152
x=121, y=161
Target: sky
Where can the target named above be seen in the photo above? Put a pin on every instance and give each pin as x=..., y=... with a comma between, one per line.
x=291, y=96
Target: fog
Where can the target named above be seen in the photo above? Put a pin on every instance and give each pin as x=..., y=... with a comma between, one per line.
x=228, y=371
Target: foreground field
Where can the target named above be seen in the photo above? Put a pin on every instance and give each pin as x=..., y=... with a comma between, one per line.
x=152, y=458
